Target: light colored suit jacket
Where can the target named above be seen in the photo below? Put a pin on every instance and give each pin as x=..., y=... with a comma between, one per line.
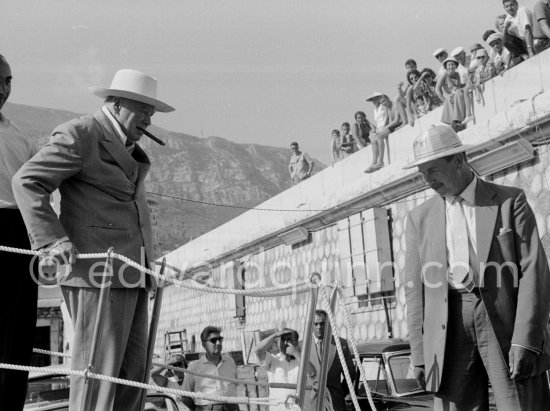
x=518, y=305
x=103, y=199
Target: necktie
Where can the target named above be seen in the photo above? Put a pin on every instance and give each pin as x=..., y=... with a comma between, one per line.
x=460, y=266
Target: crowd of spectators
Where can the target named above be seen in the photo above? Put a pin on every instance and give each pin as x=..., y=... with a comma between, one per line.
x=520, y=34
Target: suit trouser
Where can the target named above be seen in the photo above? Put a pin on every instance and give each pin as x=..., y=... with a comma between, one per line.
x=473, y=357
x=123, y=349
x=17, y=310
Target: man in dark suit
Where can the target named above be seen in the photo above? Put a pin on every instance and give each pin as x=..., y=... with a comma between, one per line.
x=99, y=169
x=19, y=300
x=336, y=383
x=477, y=285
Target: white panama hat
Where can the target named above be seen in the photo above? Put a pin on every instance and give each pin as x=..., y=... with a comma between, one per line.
x=438, y=52
x=450, y=59
x=133, y=85
x=375, y=95
x=456, y=51
x=436, y=142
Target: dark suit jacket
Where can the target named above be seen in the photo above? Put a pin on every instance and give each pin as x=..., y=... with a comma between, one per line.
x=336, y=382
x=516, y=298
x=103, y=201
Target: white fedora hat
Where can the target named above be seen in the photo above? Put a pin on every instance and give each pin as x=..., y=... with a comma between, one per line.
x=133, y=85
x=436, y=142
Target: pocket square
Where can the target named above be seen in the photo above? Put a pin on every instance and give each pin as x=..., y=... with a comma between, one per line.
x=504, y=230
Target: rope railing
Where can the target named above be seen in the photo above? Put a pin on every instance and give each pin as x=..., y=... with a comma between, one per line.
x=193, y=373
x=297, y=287
x=51, y=353
x=352, y=343
x=130, y=383
x=293, y=288
x=345, y=370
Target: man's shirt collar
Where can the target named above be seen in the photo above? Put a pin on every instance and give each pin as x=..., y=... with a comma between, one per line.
x=118, y=130
x=468, y=194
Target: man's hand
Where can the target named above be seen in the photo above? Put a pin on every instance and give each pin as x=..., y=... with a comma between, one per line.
x=507, y=24
x=62, y=253
x=420, y=376
x=522, y=362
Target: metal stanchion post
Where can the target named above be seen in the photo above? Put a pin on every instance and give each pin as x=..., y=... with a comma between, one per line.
x=306, y=342
x=96, y=341
x=327, y=338
x=155, y=315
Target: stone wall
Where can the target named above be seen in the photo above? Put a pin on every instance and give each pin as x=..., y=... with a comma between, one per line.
x=191, y=310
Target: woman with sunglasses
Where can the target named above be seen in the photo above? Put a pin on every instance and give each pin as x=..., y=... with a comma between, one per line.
x=485, y=70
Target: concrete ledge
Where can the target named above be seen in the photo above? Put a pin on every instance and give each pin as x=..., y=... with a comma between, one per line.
x=514, y=104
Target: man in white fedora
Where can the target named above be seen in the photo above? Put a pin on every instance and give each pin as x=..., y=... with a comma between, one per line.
x=99, y=169
x=476, y=285
x=440, y=55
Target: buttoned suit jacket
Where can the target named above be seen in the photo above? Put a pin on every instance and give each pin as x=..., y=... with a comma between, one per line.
x=336, y=385
x=515, y=297
x=103, y=199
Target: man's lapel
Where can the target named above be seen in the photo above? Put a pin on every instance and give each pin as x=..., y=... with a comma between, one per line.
x=331, y=353
x=486, y=209
x=115, y=148
x=144, y=164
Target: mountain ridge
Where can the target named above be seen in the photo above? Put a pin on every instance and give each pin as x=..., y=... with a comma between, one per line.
x=192, y=169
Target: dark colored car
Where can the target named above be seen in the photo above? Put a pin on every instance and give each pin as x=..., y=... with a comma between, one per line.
x=387, y=368
x=386, y=364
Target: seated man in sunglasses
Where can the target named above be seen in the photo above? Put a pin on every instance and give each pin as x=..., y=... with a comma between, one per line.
x=215, y=364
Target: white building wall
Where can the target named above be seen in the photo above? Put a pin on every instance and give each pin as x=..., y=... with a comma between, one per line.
x=512, y=102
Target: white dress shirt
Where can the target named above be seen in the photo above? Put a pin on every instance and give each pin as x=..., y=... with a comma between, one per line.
x=120, y=134
x=468, y=196
x=15, y=150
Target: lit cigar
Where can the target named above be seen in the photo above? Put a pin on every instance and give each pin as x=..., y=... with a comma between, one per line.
x=152, y=137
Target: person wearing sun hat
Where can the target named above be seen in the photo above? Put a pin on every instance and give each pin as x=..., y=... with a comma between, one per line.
x=440, y=55
x=499, y=54
x=485, y=69
x=460, y=55
x=454, y=93
x=381, y=115
x=476, y=285
x=473, y=63
x=99, y=168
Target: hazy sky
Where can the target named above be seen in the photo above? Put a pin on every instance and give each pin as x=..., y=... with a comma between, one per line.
x=251, y=71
